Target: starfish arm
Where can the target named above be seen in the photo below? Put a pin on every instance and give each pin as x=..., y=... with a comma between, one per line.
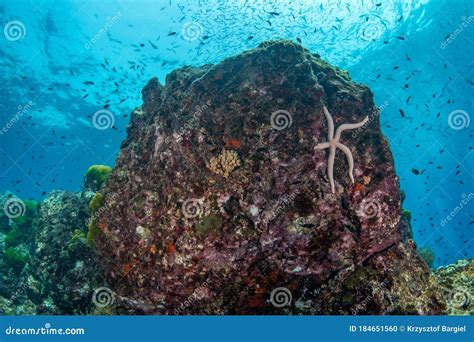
x=330, y=123
x=322, y=146
x=332, y=155
x=350, y=160
x=345, y=127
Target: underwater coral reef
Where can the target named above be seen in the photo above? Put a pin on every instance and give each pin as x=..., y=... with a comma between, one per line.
x=237, y=212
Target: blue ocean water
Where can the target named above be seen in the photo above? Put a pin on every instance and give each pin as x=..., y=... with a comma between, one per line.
x=63, y=61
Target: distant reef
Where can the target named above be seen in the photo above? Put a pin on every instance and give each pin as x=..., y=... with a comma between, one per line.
x=227, y=198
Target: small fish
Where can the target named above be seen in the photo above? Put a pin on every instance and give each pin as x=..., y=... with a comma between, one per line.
x=172, y=34
x=402, y=113
x=152, y=45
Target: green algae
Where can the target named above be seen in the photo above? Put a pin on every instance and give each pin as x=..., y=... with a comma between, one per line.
x=94, y=205
x=97, y=175
x=210, y=223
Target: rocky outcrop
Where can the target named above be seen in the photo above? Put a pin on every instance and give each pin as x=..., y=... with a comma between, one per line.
x=220, y=204
x=62, y=269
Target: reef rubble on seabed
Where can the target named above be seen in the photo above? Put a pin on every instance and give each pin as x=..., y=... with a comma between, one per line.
x=220, y=203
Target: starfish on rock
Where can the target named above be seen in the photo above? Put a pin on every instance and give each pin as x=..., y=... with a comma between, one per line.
x=333, y=143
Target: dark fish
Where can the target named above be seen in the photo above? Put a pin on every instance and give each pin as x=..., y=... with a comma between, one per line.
x=171, y=33
x=415, y=171
x=153, y=45
x=402, y=113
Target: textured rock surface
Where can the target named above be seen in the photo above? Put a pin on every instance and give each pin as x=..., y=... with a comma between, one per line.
x=185, y=237
x=63, y=270
x=64, y=264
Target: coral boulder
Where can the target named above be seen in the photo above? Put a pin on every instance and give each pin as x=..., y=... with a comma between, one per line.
x=220, y=202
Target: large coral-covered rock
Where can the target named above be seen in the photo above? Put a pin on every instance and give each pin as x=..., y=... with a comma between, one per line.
x=225, y=206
